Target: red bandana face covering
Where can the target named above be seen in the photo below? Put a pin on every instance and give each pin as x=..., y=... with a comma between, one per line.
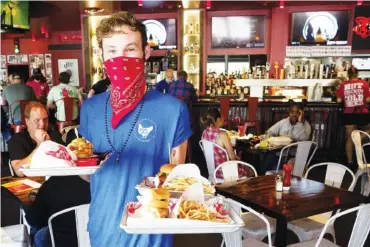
x=128, y=85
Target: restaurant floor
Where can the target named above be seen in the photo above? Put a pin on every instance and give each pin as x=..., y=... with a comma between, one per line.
x=10, y=216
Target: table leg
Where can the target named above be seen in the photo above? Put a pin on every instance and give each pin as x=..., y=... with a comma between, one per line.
x=281, y=232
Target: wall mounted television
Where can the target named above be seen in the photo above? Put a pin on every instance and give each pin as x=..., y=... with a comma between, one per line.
x=238, y=32
x=161, y=33
x=320, y=28
x=15, y=15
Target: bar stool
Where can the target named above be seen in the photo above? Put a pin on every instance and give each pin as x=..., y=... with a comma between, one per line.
x=69, y=104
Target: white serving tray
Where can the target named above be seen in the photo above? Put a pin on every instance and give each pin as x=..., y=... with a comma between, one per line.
x=62, y=171
x=178, y=226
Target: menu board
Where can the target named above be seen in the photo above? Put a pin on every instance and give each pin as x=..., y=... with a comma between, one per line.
x=361, y=28
x=318, y=51
x=238, y=32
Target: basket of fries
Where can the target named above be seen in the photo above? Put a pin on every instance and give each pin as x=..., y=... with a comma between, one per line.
x=191, y=213
x=177, y=180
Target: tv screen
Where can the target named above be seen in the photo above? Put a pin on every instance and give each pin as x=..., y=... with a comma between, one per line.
x=161, y=33
x=320, y=28
x=238, y=32
x=361, y=63
x=361, y=28
x=15, y=14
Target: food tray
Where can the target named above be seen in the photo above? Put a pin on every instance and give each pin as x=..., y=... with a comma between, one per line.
x=178, y=226
x=62, y=171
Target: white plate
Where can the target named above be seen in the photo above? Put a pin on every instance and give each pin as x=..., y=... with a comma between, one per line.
x=62, y=171
x=178, y=226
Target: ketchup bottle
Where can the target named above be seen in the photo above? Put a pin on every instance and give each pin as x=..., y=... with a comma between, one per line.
x=287, y=176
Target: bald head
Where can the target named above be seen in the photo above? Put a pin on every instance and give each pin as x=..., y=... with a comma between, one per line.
x=169, y=75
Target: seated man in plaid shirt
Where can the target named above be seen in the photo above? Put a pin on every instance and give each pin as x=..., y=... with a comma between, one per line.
x=182, y=88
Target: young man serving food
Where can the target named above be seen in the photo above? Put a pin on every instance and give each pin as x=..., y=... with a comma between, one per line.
x=136, y=125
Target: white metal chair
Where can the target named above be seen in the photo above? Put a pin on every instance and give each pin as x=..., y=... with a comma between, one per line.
x=359, y=234
x=310, y=228
x=82, y=217
x=254, y=227
x=230, y=170
x=362, y=164
x=208, y=151
x=15, y=236
x=366, y=189
x=302, y=157
x=11, y=168
x=264, y=222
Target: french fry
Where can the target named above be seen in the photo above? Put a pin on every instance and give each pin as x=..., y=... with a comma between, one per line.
x=182, y=183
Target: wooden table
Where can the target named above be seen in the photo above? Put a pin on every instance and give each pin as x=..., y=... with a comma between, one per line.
x=23, y=195
x=305, y=198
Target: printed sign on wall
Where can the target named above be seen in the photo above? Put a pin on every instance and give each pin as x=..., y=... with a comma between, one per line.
x=71, y=67
x=361, y=28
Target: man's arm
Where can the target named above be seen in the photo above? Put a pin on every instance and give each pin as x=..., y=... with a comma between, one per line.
x=194, y=96
x=302, y=131
x=91, y=93
x=83, y=129
x=50, y=102
x=275, y=129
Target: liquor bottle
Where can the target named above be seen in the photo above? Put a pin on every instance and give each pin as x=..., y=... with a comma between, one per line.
x=186, y=48
x=196, y=48
x=197, y=27
x=191, y=28
x=187, y=27
x=191, y=49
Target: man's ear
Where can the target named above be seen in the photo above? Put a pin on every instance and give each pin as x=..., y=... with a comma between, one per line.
x=147, y=52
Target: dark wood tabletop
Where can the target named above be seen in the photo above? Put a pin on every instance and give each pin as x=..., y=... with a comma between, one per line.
x=305, y=198
x=23, y=195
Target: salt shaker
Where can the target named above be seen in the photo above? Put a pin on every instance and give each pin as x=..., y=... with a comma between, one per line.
x=279, y=182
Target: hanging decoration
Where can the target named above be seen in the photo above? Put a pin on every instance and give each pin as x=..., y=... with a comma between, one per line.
x=281, y=4
x=140, y=3
x=208, y=4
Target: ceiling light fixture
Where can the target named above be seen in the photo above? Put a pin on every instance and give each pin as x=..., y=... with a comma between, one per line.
x=281, y=4
x=359, y=2
x=140, y=3
x=93, y=10
x=208, y=4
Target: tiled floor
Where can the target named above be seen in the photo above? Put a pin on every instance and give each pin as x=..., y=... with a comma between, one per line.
x=343, y=226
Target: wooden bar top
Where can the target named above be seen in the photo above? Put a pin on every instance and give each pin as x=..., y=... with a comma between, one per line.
x=305, y=198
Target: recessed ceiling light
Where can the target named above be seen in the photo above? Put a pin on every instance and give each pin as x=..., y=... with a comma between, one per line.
x=93, y=10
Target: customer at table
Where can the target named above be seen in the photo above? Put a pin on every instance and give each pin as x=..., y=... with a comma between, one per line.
x=295, y=126
x=22, y=145
x=164, y=85
x=57, y=194
x=138, y=127
x=212, y=123
x=183, y=88
x=39, y=84
x=100, y=86
x=355, y=95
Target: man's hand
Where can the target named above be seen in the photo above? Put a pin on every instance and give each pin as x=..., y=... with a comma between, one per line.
x=41, y=136
x=301, y=116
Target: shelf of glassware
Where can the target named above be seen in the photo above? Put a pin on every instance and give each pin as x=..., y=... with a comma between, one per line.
x=191, y=48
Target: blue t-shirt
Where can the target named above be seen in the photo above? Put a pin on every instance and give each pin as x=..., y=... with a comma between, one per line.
x=162, y=86
x=164, y=121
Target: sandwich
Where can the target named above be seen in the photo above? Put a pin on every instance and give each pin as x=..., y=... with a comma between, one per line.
x=81, y=147
x=162, y=174
x=155, y=203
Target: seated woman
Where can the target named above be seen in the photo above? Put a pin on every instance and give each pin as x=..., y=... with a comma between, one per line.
x=212, y=122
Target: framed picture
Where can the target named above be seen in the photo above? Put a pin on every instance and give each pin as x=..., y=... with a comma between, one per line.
x=70, y=66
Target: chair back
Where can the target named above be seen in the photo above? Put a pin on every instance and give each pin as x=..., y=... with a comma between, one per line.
x=208, y=151
x=366, y=190
x=361, y=227
x=357, y=136
x=22, y=105
x=11, y=168
x=237, y=206
x=224, y=107
x=230, y=170
x=302, y=156
x=334, y=174
x=82, y=218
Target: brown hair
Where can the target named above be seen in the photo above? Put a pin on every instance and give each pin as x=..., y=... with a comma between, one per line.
x=64, y=77
x=210, y=119
x=352, y=73
x=30, y=106
x=113, y=23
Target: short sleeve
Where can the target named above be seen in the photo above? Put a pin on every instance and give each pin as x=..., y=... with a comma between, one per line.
x=17, y=148
x=366, y=90
x=183, y=130
x=83, y=129
x=50, y=95
x=340, y=91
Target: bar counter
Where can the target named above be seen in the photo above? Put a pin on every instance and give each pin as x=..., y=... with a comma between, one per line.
x=324, y=117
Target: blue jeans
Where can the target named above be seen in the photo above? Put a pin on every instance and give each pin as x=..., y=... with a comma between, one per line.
x=42, y=238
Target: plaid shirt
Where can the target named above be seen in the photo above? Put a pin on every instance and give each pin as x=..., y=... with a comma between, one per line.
x=211, y=134
x=182, y=88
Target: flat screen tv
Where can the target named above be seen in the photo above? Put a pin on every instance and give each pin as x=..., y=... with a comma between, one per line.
x=361, y=28
x=238, y=32
x=15, y=15
x=361, y=63
x=320, y=28
x=161, y=33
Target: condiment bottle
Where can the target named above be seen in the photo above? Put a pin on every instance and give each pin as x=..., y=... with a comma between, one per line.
x=287, y=176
